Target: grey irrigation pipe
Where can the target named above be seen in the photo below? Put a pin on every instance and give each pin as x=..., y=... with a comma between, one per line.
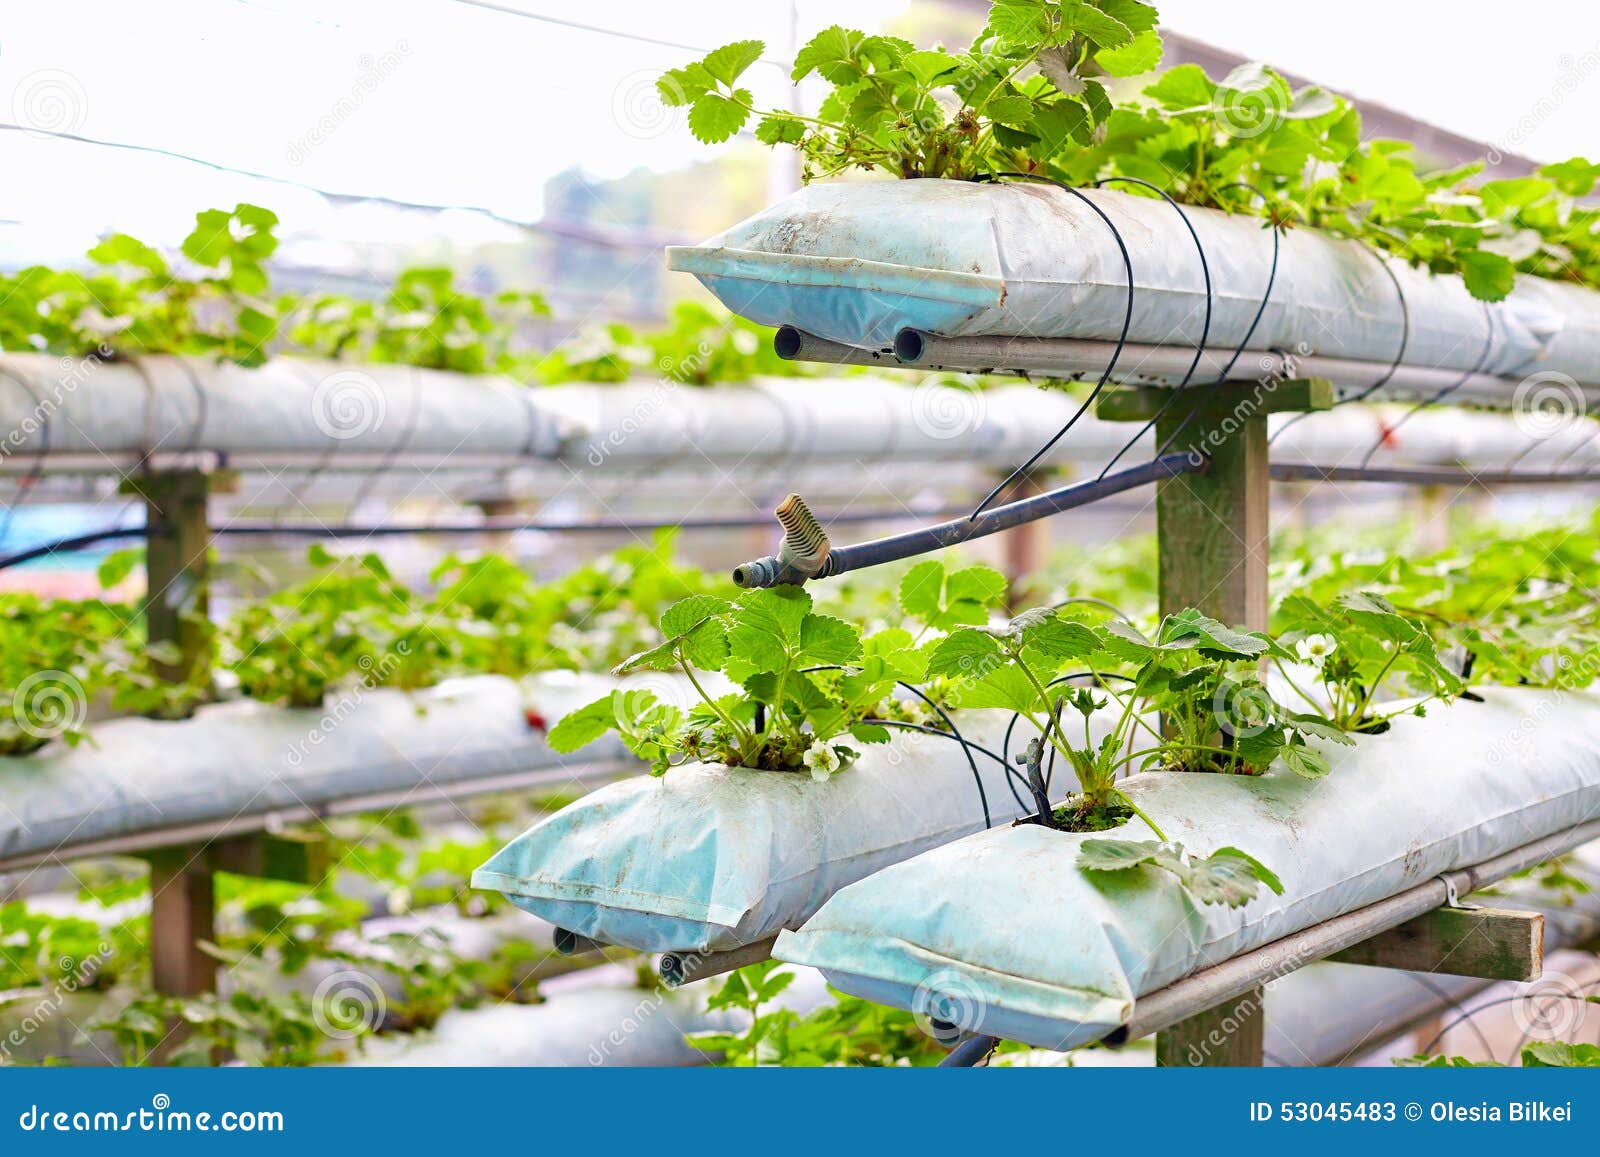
x=775, y=570
x=1234, y=977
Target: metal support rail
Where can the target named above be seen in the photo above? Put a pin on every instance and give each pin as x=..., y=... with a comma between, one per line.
x=1426, y=475
x=1070, y=358
x=1214, y=986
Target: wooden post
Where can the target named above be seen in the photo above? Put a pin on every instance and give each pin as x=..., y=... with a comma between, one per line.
x=1022, y=547
x=1231, y=1035
x=177, y=546
x=182, y=910
x=1212, y=541
x=1212, y=528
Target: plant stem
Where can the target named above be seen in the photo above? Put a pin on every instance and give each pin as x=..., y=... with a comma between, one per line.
x=1138, y=811
x=744, y=736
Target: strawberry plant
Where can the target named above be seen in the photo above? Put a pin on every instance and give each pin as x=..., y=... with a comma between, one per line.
x=1355, y=649
x=807, y=682
x=426, y=320
x=1022, y=93
x=137, y=303
x=1028, y=97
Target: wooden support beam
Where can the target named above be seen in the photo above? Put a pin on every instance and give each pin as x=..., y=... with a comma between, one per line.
x=1212, y=540
x=1485, y=943
x=1231, y=1035
x=178, y=543
x=183, y=906
x=1212, y=528
x=182, y=911
x=1023, y=547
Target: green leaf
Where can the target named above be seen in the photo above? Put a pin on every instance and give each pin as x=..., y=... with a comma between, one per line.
x=1099, y=28
x=120, y=249
x=1575, y=177
x=1060, y=640
x=684, y=86
x=685, y=615
x=1307, y=762
x=778, y=129
x=1004, y=687
x=1320, y=728
x=1013, y=111
x=966, y=653
x=715, y=118
x=1058, y=124
x=1183, y=87
x=1211, y=636
x=1230, y=877
x=1116, y=855
x=729, y=62
x=928, y=67
x=1138, y=16
x=982, y=584
x=1262, y=872
x=662, y=657
x=1489, y=276
x=922, y=590
x=582, y=727
x=1126, y=642
x=1139, y=56
x=833, y=45
x=706, y=645
x=1555, y=1054
x=118, y=565
x=827, y=640
x=1020, y=23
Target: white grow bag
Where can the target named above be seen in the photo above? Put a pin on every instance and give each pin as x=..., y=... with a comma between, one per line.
x=709, y=858
x=1005, y=926
x=241, y=759
x=857, y=262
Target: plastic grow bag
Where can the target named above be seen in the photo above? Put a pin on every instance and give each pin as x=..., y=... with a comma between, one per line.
x=1005, y=927
x=244, y=758
x=857, y=262
x=709, y=858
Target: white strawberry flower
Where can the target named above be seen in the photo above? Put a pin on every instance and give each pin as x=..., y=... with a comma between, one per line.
x=1316, y=649
x=822, y=761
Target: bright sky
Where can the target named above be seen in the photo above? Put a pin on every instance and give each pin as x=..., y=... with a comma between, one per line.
x=440, y=101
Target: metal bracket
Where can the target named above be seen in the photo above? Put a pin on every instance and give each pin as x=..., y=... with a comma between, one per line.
x=1452, y=898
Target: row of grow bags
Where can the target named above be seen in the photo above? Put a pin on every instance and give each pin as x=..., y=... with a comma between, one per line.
x=893, y=884
x=1042, y=952
x=857, y=263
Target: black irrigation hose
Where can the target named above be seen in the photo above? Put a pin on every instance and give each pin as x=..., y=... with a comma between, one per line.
x=953, y=732
x=970, y=1053
x=940, y=536
x=1244, y=342
x=1394, y=366
x=1122, y=340
x=1205, y=326
x=1016, y=717
x=1439, y=397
